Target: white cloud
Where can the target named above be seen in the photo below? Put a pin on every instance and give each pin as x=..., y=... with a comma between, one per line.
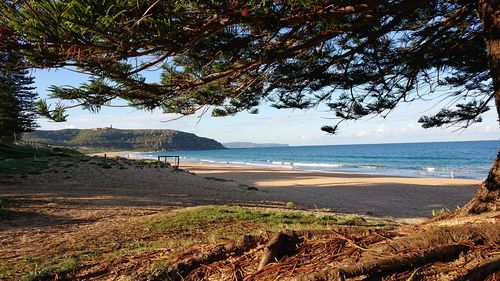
x=487, y=129
x=381, y=129
x=362, y=134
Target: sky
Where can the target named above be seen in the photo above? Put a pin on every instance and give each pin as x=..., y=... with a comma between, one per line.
x=294, y=127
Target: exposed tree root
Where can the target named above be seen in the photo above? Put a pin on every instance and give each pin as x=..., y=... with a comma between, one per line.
x=179, y=270
x=482, y=271
x=386, y=266
x=427, y=252
x=281, y=244
x=479, y=234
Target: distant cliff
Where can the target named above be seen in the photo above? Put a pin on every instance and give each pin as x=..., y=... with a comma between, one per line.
x=116, y=139
x=252, y=145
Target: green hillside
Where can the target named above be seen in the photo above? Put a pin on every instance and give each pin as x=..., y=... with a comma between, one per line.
x=116, y=139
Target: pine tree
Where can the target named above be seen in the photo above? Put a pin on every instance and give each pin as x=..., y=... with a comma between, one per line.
x=16, y=99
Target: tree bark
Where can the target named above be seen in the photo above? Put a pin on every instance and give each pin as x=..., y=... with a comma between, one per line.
x=487, y=197
x=489, y=13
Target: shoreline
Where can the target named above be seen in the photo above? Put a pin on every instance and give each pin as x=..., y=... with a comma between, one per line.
x=213, y=168
x=187, y=162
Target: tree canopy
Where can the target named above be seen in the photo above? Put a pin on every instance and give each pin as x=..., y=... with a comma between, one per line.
x=16, y=98
x=358, y=57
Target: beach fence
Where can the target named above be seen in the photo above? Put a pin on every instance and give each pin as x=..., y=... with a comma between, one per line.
x=165, y=160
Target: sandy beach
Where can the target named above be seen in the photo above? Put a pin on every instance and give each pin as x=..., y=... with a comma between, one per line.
x=349, y=192
x=400, y=197
x=143, y=189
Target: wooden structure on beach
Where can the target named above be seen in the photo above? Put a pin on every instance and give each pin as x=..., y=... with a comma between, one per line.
x=165, y=158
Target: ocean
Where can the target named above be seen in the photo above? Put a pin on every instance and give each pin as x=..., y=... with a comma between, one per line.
x=471, y=159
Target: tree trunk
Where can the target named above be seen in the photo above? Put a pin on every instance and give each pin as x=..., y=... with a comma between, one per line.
x=487, y=197
x=489, y=13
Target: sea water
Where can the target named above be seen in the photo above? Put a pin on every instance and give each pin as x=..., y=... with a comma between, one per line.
x=471, y=159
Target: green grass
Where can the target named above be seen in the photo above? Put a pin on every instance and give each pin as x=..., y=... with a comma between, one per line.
x=442, y=211
x=28, y=160
x=216, y=224
x=211, y=215
x=10, y=151
x=41, y=273
x=352, y=220
x=22, y=165
x=158, y=266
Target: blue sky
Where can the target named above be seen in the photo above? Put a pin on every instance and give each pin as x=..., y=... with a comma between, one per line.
x=295, y=127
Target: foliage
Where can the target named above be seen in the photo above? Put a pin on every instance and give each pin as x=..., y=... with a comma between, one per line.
x=10, y=151
x=356, y=57
x=16, y=98
x=440, y=212
x=26, y=159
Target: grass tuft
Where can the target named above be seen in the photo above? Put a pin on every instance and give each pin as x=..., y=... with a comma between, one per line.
x=158, y=266
x=47, y=272
x=351, y=220
x=199, y=216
